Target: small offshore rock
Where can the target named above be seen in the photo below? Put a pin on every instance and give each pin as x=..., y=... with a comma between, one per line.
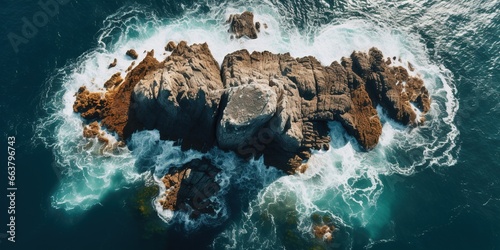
x=257, y=26
x=324, y=232
x=132, y=54
x=113, y=64
x=242, y=25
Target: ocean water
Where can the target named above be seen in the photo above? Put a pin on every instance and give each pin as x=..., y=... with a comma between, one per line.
x=433, y=187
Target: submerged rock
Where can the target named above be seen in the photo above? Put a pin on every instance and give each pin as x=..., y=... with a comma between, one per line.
x=104, y=143
x=323, y=227
x=324, y=232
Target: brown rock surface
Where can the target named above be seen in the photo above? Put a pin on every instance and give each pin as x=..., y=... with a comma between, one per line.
x=131, y=66
x=170, y=46
x=113, y=64
x=259, y=103
x=391, y=87
x=114, y=81
x=89, y=105
x=324, y=232
x=361, y=120
x=242, y=25
x=116, y=116
x=132, y=54
x=323, y=227
x=93, y=130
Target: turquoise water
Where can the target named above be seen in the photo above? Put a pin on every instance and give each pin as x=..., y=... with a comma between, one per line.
x=433, y=187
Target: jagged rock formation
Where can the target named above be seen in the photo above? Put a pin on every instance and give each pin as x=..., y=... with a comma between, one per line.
x=259, y=103
x=323, y=227
x=114, y=81
x=115, y=116
x=93, y=130
x=392, y=87
x=255, y=104
x=189, y=187
x=184, y=94
x=89, y=105
x=242, y=25
x=170, y=46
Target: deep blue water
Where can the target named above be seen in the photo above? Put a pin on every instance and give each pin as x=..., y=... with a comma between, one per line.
x=416, y=203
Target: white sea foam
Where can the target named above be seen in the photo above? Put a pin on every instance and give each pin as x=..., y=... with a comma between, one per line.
x=340, y=182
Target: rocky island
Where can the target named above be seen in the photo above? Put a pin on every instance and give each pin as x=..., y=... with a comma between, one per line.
x=253, y=103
